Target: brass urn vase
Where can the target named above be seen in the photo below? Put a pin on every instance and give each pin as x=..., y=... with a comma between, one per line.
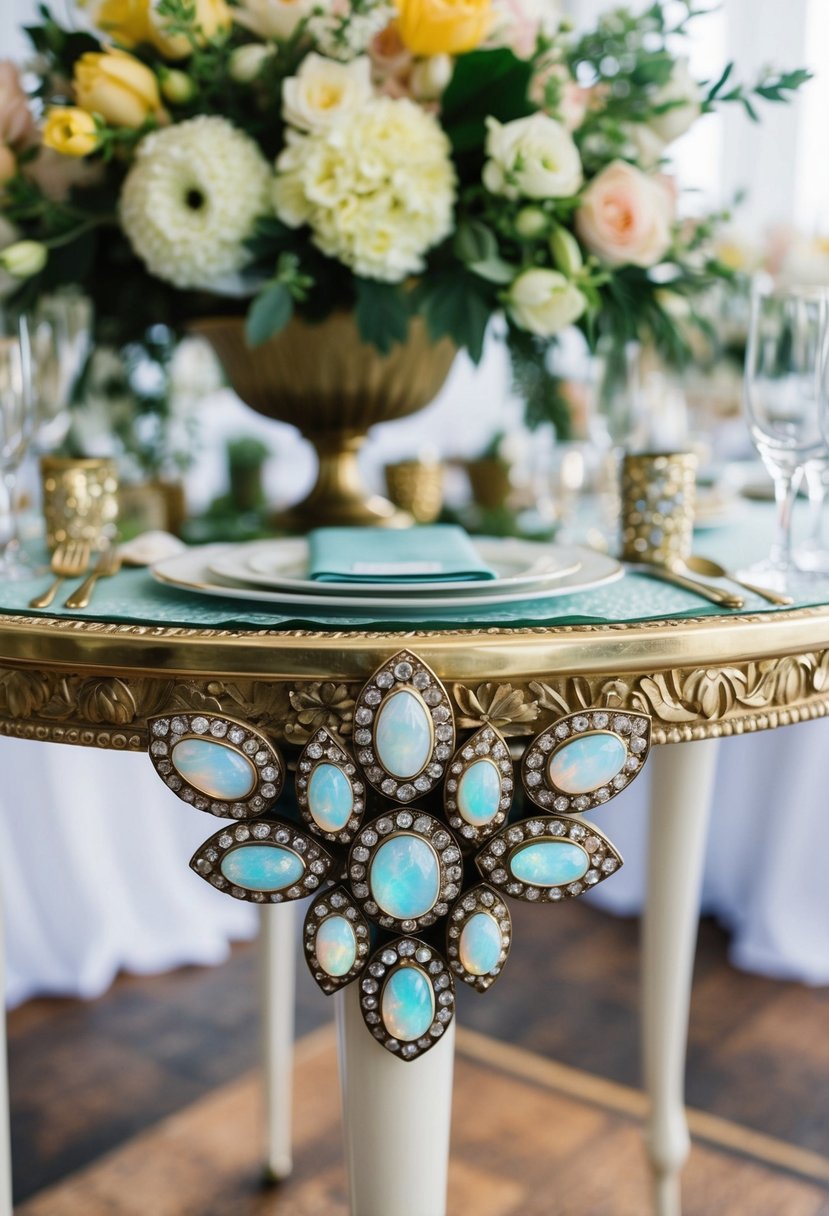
x=324, y=380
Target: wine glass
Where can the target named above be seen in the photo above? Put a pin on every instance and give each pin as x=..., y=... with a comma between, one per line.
x=786, y=343
x=59, y=335
x=17, y=419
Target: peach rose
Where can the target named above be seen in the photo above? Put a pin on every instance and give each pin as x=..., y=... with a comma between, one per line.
x=17, y=126
x=625, y=216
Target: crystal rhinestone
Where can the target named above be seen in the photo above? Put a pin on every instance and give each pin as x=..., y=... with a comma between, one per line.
x=423, y=955
x=433, y=696
x=315, y=751
x=236, y=734
x=404, y=820
x=268, y=791
x=631, y=764
x=199, y=725
x=250, y=746
x=389, y=786
x=609, y=865
x=362, y=736
x=580, y=723
x=561, y=804
x=179, y=726
x=384, y=826
x=262, y=867
x=336, y=946
x=441, y=714
x=405, y=877
x=159, y=748
x=577, y=832
x=408, y=1004
x=443, y=733
x=385, y=679
x=261, y=831
x=406, y=792
x=620, y=781
x=214, y=768
x=600, y=720
x=406, y=949
x=330, y=798
x=561, y=731
x=591, y=878
x=549, y=863
x=622, y=724
x=581, y=803
x=638, y=725
x=360, y=854
x=638, y=745
x=373, y=696
x=363, y=716
x=479, y=793
x=218, y=729
x=403, y=671
x=421, y=679
x=533, y=779
x=422, y=784
x=162, y=727
x=337, y=899
x=535, y=760
x=575, y=888
x=480, y=944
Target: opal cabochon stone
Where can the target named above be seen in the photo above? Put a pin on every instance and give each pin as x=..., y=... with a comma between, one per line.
x=330, y=797
x=405, y=877
x=549, y=863
x=408, y=1004
x=403, y=734
x=214, y=768
x=262, y=867
x=586, y=763
x=479, y=793
x=480, y=944
x=336, y=946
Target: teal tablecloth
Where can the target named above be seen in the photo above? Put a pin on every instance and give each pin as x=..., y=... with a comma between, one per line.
x=134, y=597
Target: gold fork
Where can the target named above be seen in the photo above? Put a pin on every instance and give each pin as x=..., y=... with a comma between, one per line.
x=68, y=561
x=109, y=563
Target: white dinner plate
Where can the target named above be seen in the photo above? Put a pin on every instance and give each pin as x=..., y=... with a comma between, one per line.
x=191, y=571
x=282, y=565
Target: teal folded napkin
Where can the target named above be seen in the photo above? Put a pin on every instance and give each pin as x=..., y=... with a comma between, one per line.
x=434, y=553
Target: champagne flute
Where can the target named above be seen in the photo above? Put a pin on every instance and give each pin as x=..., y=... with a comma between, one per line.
x=59, y=335
x=787, y=336
x=17, y=419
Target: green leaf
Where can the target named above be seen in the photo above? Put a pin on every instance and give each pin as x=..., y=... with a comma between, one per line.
x=270, y=312
x=484, y=83
x=458, y=306
x=494, y=270
x=382, y=313
x=475, y=242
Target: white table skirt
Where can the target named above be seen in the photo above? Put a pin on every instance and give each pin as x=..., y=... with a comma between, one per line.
x=765, y=875
x=94, y=874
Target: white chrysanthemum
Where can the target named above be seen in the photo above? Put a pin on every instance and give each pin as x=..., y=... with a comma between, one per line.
x=190, y=201
x=377, y=188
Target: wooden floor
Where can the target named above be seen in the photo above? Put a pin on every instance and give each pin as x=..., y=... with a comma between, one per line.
x=146, y=1101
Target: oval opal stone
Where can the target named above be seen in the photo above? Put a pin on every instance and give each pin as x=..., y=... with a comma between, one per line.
x=480, y=944
x=213, y=768
x=330, y=797
x=549, y=863
x=408, y=1004
x=587, y=762
x=479, y=793
x=403, y=734
x=405, y=877
x=336, y=946
x=262, y=867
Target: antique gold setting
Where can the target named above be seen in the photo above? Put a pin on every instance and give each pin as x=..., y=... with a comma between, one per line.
x=266, y=764
x=401, y=953
x=328, y=904
x=494, y=859
x=324, y=749
x=207, y=861
x=481, y=899
x=631, y=730
x=485, y=746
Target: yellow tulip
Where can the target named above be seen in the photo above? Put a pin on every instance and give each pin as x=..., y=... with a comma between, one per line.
x=443, y=27
x=131, y=22
x=117, y=86
x=70, y=131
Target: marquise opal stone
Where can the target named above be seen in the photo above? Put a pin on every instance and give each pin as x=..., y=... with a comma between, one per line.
x=480, y=944
x=405, y=877
x=403, y=734
x=330, y=797
x=262, y=867
x=586, y=763
x=408, y=1004
x=213, y=768
x=479, y=793
x=549, y=863
x=336, y=946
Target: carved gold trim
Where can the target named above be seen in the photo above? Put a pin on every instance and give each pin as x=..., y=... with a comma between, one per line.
x=685, y=701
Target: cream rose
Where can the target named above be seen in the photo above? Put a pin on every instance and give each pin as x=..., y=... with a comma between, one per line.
x=681, y=87
x=544, y=302
x=323, y=90
x=531, y=157
x=274, y=18
x=647, y=146
x=625, y=216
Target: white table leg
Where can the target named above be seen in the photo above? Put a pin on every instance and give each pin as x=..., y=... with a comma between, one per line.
x=5, y=1145
x=682, y=781
x=396, y=1118
x=277, y=946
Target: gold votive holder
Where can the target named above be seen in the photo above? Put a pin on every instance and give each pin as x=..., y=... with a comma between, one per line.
x=416, y=486
x=80, y=500
x=658, y=494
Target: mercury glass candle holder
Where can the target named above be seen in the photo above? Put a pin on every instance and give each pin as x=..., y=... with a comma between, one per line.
x=80, y=500
x=658, y=496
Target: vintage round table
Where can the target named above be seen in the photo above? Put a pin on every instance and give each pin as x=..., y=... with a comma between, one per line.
x=700, y=674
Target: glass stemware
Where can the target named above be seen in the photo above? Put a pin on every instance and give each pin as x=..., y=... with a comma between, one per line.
x=787, y=335
x=59, y=334
x=17, y=418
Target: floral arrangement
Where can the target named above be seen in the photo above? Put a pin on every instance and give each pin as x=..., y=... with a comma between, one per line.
x=448, y=159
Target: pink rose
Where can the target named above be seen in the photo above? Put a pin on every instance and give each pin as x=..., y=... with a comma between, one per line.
x=17, y=126
x=57, y=175
x=625, y=216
